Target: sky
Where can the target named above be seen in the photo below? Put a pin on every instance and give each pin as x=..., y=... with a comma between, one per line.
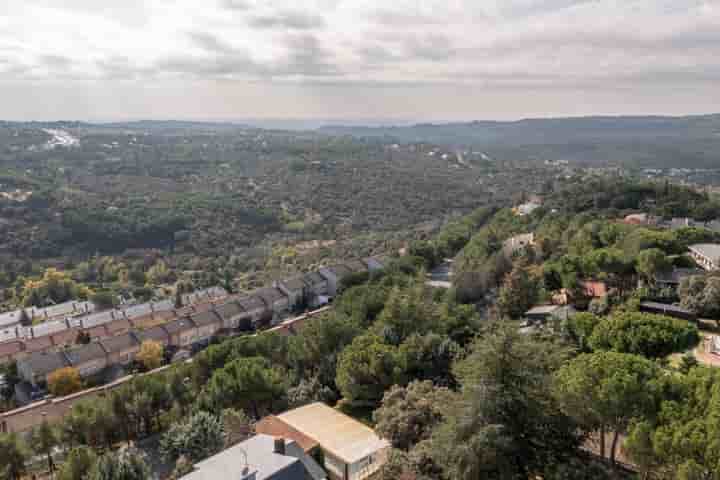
x=412, y=60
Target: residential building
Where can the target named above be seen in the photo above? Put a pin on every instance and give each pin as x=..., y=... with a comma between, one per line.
x=233, y=316
x=545, y=313
x=97, y=319
x=318, y=289
x=9, y=351
x=9, y=334
x=65, y=338
x=48, y=328
x=526, y=208
x=334, y=275
x=275, y=300
x=155, y=334
x=121, y=349
x=351, y=450
x=260, y=457
x=62, y=311
x=11, y=319
x=672, y=278
x=182, y=332
x=118, y=326
x=258, y=312
x=207, y=295
x=706, y=255
x=36, y=367
x=273, y=426
x=88, y=359
x=668, y=310
x=518, y=243
x=374, y=264
x=356, y=266
x=40, y=344
x=295, y=289
x=208, y=323
x=97, y=332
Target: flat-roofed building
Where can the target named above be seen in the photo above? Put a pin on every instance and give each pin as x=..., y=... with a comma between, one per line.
x=352, y=451
x=706, y=255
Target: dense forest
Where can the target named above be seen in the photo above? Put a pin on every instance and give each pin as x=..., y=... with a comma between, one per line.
x=218, y=201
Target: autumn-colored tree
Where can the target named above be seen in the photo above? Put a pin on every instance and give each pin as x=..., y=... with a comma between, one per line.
x=151, y=354
x=64, y=381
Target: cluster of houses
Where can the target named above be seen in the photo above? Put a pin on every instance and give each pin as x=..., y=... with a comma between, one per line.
x=672, y=224
x=313, y=442
x=114, y=337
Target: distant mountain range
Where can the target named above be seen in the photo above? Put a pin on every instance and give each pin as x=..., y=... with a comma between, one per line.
x=642, y=140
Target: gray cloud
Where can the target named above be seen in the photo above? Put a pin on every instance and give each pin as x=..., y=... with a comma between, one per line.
x=306, y=56
x=432, y=47
x=211, y=43
x=288, y=20
x=240, y=5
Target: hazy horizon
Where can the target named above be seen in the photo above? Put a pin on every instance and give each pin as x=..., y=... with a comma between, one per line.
x=425, y=61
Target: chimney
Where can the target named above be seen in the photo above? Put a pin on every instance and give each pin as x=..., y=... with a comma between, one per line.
x=279, y=446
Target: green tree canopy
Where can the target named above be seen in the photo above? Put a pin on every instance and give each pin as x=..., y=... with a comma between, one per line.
x=605, y=391
x=653, y=336
x=408, y=415
x=197, y=438
x=366, y=368
x=505, y=423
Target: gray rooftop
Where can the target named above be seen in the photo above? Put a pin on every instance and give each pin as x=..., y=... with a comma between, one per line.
x=295, y=283
x=314, y=278
x=208, y=317
x=91, y=351
x=42, y=363
x=251, y=303
x=139, y=310
x=156, y=334
x=261, y=459
x=48, y=328
x=709, y=250
x=179, y=325
x=270, y=294
x=543, y=310
x=667, y=307
x=119, y=343
x=10, y=319
x=100, y=318
x=228, y=310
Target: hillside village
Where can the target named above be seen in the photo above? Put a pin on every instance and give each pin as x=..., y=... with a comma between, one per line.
x=626, y=285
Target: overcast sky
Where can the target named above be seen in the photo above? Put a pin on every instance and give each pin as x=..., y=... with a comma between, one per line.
x=394, y=59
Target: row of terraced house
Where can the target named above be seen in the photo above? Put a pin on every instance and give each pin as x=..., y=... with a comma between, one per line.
x=116, y=335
